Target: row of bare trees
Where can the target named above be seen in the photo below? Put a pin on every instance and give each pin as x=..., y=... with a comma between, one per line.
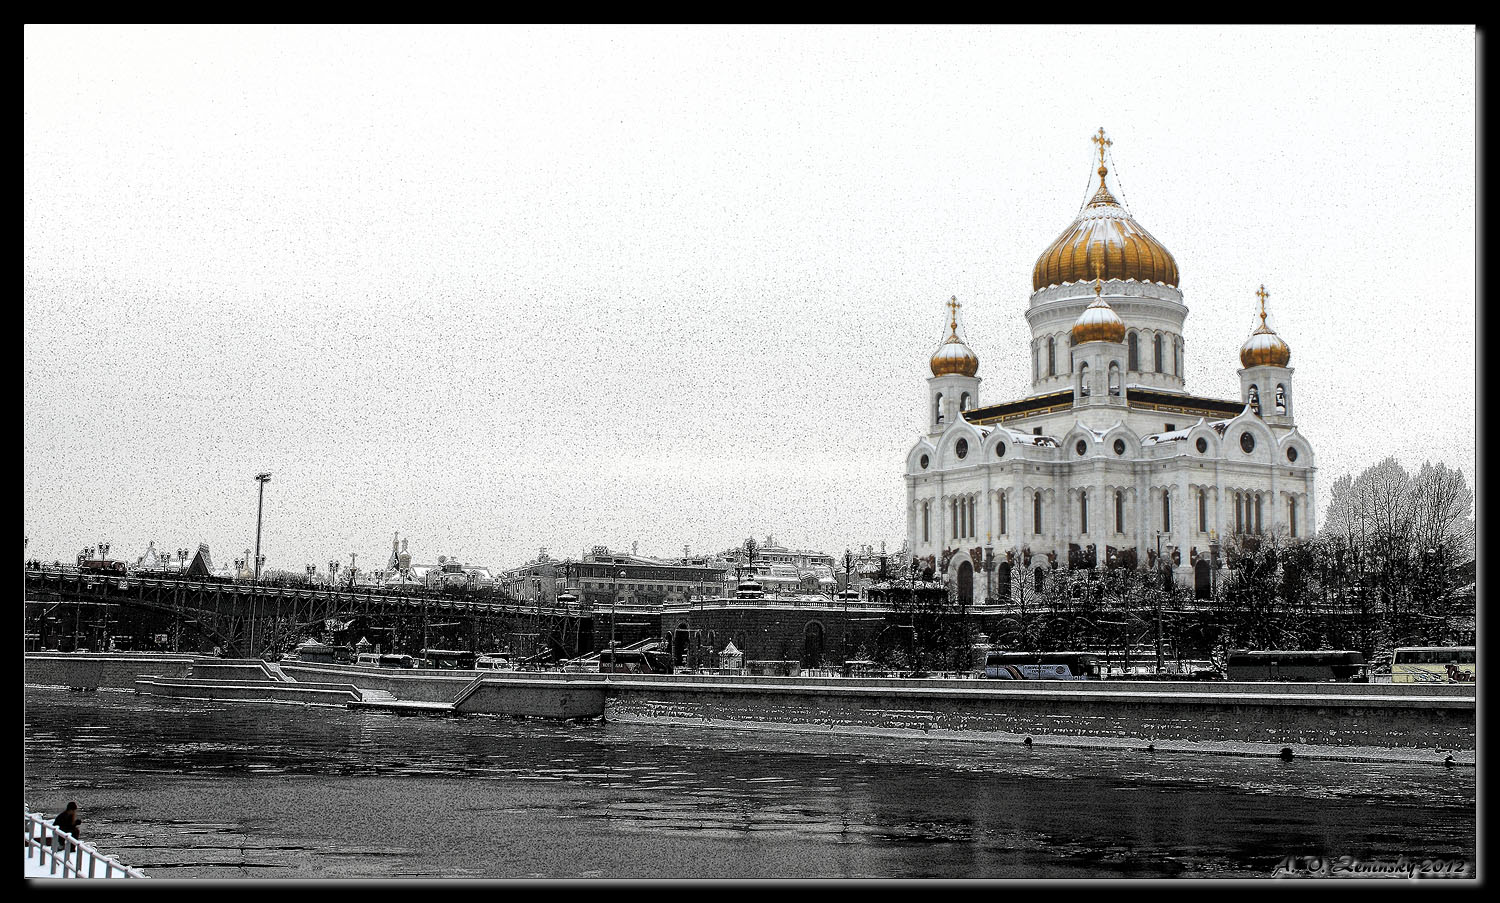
x=1393, y=566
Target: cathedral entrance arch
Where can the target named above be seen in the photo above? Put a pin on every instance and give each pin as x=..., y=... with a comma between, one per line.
x=966, y=584
x=812, y=645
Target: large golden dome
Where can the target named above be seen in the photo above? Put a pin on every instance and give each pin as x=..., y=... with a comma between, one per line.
x=1104, y=241
x=1098, y=322
x=953, y=357
x=1264, y=348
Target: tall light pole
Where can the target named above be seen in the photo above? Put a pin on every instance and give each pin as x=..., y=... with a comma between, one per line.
x=614, y=600
x=262, y=479
x=351, y=570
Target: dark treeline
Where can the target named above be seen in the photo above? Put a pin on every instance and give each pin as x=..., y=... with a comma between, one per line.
x=1393, y=565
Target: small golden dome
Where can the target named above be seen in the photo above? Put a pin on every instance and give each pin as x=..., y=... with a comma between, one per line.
x=1104, y=241
x=1264, y=348
x=1098, y=322
x=953, y=357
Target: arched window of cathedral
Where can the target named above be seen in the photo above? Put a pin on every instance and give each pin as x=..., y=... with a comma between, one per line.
x=1253, y=397
x=1133, y=352
x=1083, y=511
x=1291, y=516
x=1036, y=370
x=953, y=518
x=927, y=522
x=1239, y=513
x=1119, y=511
x=1002, y=514
x=1166, y=511
x=973, y=517
x=938, y=409
x=1051, y=356
x=964, y=401
x=1280, y=398
x=1114, y=379
x=1083, y=380
x=1036, y=513
x=1177, y=360
x=1257, y=513
x=1156, y=347
x=1202, y=511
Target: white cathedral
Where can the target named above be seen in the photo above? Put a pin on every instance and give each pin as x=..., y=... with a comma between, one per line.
x=1109, y=458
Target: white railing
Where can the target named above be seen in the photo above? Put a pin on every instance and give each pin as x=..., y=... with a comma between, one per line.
x=68, y=857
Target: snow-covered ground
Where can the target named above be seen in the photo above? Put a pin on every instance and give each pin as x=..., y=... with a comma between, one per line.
x=39, y=865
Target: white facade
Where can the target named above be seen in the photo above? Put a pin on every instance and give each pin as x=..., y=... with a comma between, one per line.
x=1109, y=450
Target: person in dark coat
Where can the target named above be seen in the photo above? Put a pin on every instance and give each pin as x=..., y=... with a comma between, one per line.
x=68, y=821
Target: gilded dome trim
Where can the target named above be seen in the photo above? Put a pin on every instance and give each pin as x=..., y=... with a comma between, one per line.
x=952, y=356
x=1264, y=348
x=1104, y=241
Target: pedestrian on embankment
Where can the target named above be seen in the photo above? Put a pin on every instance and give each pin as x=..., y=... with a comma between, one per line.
x=67, y=821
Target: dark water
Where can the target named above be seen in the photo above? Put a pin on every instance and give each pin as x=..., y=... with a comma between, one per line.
x=215, y=790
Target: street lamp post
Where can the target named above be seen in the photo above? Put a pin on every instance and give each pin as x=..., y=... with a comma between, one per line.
x=262, y=479
x=351, y=570
x=614, y=599
x=1156, y=594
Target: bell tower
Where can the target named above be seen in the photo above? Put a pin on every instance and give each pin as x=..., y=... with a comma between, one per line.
x=954, y=385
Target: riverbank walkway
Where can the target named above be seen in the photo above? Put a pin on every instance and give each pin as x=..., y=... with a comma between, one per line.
x=52, y=854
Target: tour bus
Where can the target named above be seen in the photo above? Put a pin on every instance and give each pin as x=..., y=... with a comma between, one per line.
x=1433, y=664
x=448, y=659
x=1320, y=666
x=103, y=566
x=1041, y=666
x=630, y=662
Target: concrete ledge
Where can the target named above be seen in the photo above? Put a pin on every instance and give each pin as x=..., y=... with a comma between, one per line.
x=221, y=691
x=1042, y=689
x=103, y=669
x=536, y=699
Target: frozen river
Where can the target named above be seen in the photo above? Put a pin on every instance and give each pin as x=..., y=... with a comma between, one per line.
x=215, y=790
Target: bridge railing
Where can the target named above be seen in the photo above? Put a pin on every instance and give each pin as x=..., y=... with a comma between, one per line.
x=67, y=856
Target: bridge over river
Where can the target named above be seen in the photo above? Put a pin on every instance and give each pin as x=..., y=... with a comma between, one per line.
x=79, y=609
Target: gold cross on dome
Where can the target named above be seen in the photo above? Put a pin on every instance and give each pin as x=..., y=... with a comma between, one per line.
x=1102, y=142
x=953, y=307
x=1263, y=295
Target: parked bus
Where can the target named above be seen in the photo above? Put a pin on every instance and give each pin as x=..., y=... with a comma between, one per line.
x=1041, y=666
x=630, y=662
x=103, y=566
x=1320, y=666
x=448, y=659
x=1433, y=665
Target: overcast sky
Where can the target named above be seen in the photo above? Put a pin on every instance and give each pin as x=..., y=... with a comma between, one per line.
x=501, y=289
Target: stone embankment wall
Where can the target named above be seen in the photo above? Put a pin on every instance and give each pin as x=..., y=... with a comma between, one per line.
x=251, y=691
x=1434, y=718
x=104, y=670
x=416, y=685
